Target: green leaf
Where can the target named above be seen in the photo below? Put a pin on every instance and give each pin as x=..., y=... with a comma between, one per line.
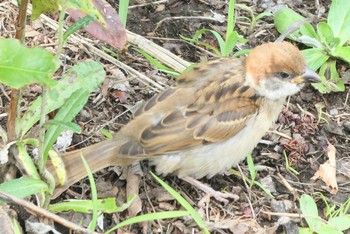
x=231, y=41
x=309, y=41
x=194, y=39
x=81, y=23
x=342, y=223
x=44, y=6
x=197, y=218
x=23, y=187
x=26, y=161
x=123, y=11
x=66, y=113
x=305, y=231
x=262, y=15
x=308, y=30
x=84, y=76
x=285, y=17
x=20, y=66
x=327, y=229
x=342, y=53
x=315, y=57
x=66, y=125
x=309, y=209
x=231, y=20
x=320, y=87
x=339, y=18
x=59, y=166
x=326, y=34
x=150, y=217
x=94, y=210
x=107, y=205
x=251, y=169
x=157, y=64
x=106, y=133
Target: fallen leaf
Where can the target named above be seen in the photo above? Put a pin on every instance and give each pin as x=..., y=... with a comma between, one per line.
x=120, y=95
x=327, y=171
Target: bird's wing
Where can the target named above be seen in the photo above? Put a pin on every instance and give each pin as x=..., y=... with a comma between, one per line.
x=217, y=110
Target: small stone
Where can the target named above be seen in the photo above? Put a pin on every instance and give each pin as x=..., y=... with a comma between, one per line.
x=268, y=183
x=334, y=129
x=283, y=206
x=346, y=125
x=333, y=112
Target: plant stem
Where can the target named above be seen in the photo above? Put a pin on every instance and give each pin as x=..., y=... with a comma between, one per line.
x=15, y=94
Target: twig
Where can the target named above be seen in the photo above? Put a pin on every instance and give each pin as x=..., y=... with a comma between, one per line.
x=147, y=4
x=43, y=212
x=288, y=186
x=185, y=17
x=249, y=191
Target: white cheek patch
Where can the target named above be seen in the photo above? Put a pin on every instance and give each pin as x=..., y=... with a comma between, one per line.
x=275, y=88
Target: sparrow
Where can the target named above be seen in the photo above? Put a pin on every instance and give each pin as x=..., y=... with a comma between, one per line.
x=210, y=121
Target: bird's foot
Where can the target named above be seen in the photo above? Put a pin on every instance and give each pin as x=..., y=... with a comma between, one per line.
x=219, y=196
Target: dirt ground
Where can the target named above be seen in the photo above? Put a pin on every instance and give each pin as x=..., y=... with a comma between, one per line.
x=299, y=132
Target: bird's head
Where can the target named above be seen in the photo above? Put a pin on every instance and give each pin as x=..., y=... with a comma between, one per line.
x=278, y=69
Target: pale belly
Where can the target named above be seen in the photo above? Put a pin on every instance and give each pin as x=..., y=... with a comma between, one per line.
x=212, y=159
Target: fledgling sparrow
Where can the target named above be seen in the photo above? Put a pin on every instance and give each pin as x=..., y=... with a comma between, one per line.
x=209, y=122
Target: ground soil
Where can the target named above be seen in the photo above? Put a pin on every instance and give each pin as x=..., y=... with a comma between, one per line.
x=300, y=120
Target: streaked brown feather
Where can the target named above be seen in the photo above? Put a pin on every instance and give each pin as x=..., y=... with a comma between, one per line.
x=217, y=108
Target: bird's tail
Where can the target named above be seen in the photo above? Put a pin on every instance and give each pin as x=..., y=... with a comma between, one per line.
x=98, y=156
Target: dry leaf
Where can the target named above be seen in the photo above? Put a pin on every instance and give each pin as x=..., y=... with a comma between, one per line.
x=327, y=171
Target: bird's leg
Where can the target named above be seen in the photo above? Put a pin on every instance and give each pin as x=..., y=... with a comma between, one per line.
x=219, y=196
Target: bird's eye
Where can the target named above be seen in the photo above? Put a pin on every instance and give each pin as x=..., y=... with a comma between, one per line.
x=284, y=75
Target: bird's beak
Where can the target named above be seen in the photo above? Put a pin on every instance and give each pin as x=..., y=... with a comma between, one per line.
x=309, y=76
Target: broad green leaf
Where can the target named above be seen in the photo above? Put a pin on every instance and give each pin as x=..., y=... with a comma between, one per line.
x=342, y=53
x=305, y=231
x=107, y=205
x=330, y=79
x=309, y=210
x=342, y=223
x=315, y=57
x=308, y=30
x=20, y=66
x=321, y=87
x=23, y=187
x=44, y=6
x=84, y=76
x=326, y=35
x=309, y=41
x=328, y=229
x=26, y=161
x=339, y=18
x=286, y=17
